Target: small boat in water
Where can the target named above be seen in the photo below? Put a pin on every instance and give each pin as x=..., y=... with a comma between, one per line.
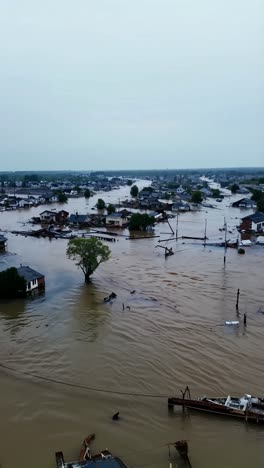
x=247, y=407
x=104, y=459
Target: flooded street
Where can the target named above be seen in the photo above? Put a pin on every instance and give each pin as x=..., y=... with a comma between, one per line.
x=173, y=335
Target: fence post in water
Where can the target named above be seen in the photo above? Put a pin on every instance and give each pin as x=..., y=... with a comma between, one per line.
x=237, y=301
x=245, y=318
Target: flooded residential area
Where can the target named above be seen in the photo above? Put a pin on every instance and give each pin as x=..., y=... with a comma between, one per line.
x=131, y=234
x=70, y=359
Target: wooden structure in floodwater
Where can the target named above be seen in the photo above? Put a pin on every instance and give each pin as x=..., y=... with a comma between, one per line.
x=247, y=407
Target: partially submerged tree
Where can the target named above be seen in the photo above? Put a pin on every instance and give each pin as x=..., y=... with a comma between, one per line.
x=87, y=193
x=134, y=191
x=77, y=189
x=100, y=204
x=258, y=196
x=88, y=254
x=12, y=285
x=140, y=222
x=216, y=193
x=197, y=197
x=234, y=188
x=62, y=197
x=148, y=189
x=111, y=209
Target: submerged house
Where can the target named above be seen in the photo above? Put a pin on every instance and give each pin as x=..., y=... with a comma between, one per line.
x=253, y=222
x=61, y=216
x=244, y=203
x=34, y=279
x=180, y=206
x=47, y=216
x=116, y=220
x=79, y=219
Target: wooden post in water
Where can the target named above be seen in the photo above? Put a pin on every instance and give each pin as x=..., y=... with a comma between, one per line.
x=237, y=301
x=245, y=319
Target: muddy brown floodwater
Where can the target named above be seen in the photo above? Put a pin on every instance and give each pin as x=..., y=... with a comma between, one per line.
x=172, y=335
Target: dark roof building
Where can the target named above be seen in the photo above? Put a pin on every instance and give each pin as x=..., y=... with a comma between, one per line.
x=35, y=281
x=78, y=219
x=244, y=203
x=253, y=222
x=28, y=273
x=255, y=217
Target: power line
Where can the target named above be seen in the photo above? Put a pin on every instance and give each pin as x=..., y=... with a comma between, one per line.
x=84, y=387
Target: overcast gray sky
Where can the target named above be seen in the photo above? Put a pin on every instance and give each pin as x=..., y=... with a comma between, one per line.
x=117, y=84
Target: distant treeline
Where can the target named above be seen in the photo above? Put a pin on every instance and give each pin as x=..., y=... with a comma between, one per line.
x=48, y=175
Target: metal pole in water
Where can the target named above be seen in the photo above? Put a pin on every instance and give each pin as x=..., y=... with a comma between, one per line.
x=177, y=223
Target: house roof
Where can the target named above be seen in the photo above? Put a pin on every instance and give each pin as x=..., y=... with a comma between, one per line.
x=255, y=217
x=112, y=462
x=78, y=218
x=28, y=273
x=116, y=215
x=47, y=211
x=63, y=212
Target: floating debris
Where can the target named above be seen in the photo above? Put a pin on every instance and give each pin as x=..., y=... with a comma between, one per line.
x=110, y=297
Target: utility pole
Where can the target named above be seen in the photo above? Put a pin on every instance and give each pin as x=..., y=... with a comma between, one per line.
x=177, y=224
x=205, y=227
x=225, y=226
x=170, y=225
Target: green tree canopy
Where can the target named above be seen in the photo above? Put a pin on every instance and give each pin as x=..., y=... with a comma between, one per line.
x=62, y=197
x=134, y=191
x=87, y=193
x=11, y=284
x=197, y=197
x=88, y=254
x=100, y=204
x=258, y=196
x=31, y=178
x=234, y=188
x=129, y=182
x=140, y=222
x=111, y=209
x=148, y=189
x=216, y=193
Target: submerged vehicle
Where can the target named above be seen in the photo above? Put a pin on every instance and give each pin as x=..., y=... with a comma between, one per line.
x=247, y=407
x=104, y=459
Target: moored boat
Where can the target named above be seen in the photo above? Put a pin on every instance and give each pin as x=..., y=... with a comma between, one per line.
x=104, y=459
x=247, y=407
